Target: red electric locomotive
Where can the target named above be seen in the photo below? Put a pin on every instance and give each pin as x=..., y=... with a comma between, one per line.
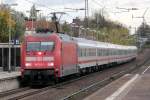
x=48, y=56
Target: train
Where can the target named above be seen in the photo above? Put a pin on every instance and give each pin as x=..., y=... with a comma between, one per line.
x=51, y=56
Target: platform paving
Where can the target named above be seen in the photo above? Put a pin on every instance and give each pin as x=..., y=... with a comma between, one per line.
x=141, y=90
x=7, y=75
x=9, y=80
x=128, y=87
x=108, y=90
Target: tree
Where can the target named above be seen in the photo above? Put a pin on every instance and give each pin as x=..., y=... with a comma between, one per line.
x=33, y=13
x=43, y=24
x=106, y=30
x=65, y=27
x=20, y=24
x=15, y=20
x=143, y=30
x=6, y=22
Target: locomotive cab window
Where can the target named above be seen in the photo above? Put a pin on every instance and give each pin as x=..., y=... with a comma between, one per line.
x=40, y=46
x=47, y=46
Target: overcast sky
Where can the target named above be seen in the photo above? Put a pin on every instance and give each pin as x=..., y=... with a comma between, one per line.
x=109, y=6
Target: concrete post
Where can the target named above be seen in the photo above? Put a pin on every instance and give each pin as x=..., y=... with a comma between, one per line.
x=15, y=57
x=2, y=57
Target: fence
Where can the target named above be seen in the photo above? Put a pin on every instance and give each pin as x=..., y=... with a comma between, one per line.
x=4, y=56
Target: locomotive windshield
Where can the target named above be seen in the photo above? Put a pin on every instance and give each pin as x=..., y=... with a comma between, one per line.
x=40, y=46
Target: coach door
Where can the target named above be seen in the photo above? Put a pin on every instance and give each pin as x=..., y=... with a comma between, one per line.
x=69, y=58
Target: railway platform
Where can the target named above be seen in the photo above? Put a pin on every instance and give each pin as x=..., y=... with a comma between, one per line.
x=9, y=81
x=9, y=75
x=128, y=87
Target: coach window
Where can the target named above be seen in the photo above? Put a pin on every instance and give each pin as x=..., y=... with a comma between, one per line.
x=109, y=52
x=113, y=53
x=85, y=52
x=119, y=52
x=80, y=52
x=103, y=52
x=106, y=52
x=93, y=52
x=90, y=52
x=100, y=52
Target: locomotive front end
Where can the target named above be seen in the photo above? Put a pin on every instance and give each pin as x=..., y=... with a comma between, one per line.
x=38, y=59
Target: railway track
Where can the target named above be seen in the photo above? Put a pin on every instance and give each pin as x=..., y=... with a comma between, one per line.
x=53, y=91
x=78, y=95
x=27, y=91
x=10, y=92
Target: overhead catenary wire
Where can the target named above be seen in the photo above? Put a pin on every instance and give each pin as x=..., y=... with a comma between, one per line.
x=97, y=3
x=41, y=5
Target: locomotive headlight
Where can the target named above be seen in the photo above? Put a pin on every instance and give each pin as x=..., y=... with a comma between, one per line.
x=28, y=64
x=39, y=53
x=51, y=64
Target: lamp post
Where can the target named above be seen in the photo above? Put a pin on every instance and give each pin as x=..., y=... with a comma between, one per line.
x=144, y=22
x=9, y=60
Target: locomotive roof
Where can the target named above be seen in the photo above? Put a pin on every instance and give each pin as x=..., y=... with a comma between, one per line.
x=38, y=34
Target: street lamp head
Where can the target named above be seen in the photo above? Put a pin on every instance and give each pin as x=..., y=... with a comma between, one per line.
x=134, y=9
x=38, y=10
x=14, y=4
x=82, y=9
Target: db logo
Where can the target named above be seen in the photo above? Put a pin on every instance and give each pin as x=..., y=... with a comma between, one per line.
x=39, y=58
x=38, y=64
